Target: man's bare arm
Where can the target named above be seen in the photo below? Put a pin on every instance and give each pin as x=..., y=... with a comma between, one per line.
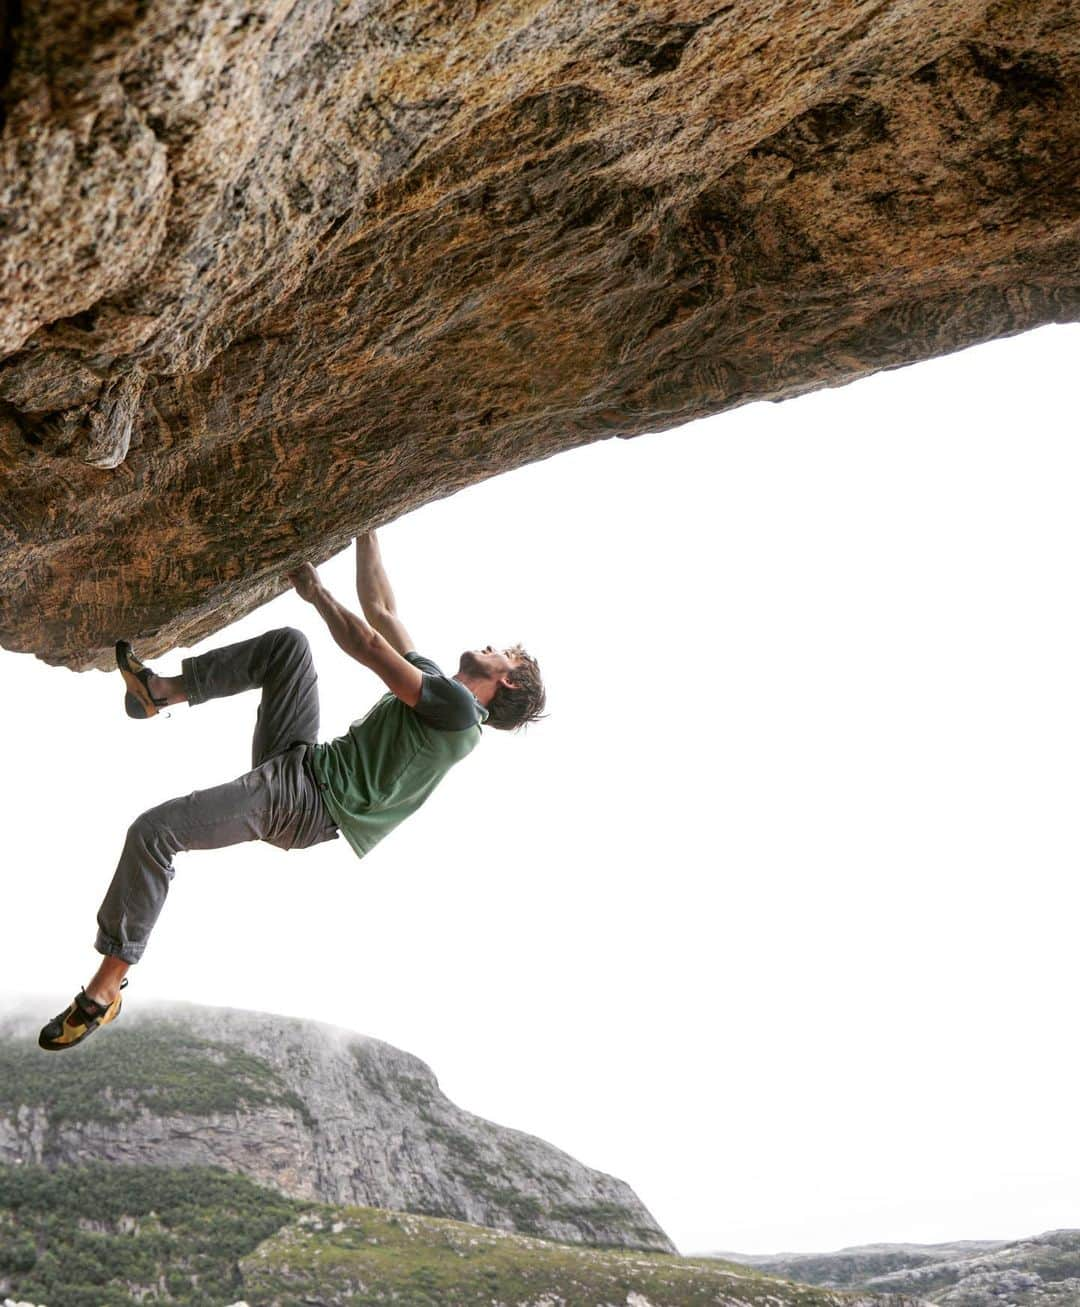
x=376, y=597
x=358, y=639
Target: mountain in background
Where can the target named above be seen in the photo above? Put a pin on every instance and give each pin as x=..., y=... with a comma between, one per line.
x=312, y=1111
x=210, y=1157
x=1043, y=1271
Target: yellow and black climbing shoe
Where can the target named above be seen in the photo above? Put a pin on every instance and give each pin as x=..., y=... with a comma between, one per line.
x=138, y=702
x=79, y=1019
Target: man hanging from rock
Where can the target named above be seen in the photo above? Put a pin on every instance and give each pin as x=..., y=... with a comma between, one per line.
x=299, y=792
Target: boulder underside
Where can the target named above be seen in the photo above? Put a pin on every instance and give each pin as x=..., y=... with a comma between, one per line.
x=272, y=273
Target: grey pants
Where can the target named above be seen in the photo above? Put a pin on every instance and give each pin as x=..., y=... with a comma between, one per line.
x=277, y=801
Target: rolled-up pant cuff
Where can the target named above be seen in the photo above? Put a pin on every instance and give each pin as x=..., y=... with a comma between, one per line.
x=111, y=948
x=192, y=687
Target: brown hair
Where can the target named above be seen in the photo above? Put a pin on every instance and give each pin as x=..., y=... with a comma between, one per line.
x=523, y=701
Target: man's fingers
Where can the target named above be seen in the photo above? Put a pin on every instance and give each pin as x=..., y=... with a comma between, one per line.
x=303, y=579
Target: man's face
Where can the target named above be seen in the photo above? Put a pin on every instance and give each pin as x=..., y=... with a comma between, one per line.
x=488, y=663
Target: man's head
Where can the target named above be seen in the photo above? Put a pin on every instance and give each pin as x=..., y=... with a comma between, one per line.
x=507, y=682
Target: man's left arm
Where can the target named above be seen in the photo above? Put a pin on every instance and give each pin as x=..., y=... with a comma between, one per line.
x=376, y=597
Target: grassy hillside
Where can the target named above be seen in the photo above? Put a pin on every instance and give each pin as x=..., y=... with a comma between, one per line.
x=362, y=1256
x=109, y=1236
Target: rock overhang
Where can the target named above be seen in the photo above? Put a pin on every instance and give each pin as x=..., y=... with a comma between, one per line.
x=274, y=274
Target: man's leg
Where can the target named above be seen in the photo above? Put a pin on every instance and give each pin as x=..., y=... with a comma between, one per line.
x=107, y=980
x=277, y=662
x=257, y=805
x=274, y=802
x=262, y=804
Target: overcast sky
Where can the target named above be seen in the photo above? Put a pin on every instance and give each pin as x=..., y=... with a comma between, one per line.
x=776, y=915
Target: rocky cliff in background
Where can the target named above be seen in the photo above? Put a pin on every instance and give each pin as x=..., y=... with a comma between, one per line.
x=315, y=1112
x=1039, y=1272
x=273, y=272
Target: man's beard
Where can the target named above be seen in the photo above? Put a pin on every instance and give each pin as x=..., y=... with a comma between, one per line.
x=471, y=665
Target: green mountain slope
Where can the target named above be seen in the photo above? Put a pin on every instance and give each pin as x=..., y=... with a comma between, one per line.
x=109, y=1236
x=105, y=1236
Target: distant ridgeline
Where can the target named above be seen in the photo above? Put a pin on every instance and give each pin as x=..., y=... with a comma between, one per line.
x=1039, y=1272
x=308, y=1110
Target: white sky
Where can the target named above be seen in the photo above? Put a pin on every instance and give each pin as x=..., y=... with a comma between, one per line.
x=776, y=916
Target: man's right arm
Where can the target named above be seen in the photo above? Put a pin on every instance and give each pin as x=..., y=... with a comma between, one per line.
x=358, y=639
x=376, y=597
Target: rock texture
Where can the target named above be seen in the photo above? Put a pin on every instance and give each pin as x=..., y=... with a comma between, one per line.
x=313, y=1111
x=1039, y=1272
x=273, y=272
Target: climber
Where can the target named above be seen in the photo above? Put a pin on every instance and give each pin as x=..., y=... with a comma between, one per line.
x=299, y=793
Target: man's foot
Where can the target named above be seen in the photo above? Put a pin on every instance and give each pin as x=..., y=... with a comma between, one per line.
x=139, y=701
x=78, y=1020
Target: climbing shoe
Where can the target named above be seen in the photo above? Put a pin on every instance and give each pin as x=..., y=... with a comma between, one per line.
x=138, y=701
x=78, y=1020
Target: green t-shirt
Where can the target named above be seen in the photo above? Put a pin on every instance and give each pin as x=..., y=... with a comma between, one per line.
x=389, y=762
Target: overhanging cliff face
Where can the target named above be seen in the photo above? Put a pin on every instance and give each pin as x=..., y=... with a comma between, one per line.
x=275, y=272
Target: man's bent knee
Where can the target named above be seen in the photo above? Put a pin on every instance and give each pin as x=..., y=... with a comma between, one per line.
x=290, y=635
x=291, y=647
x=152, y=841
x=143, y=829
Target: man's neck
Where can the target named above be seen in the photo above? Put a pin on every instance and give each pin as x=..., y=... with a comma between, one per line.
x=481, y=690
